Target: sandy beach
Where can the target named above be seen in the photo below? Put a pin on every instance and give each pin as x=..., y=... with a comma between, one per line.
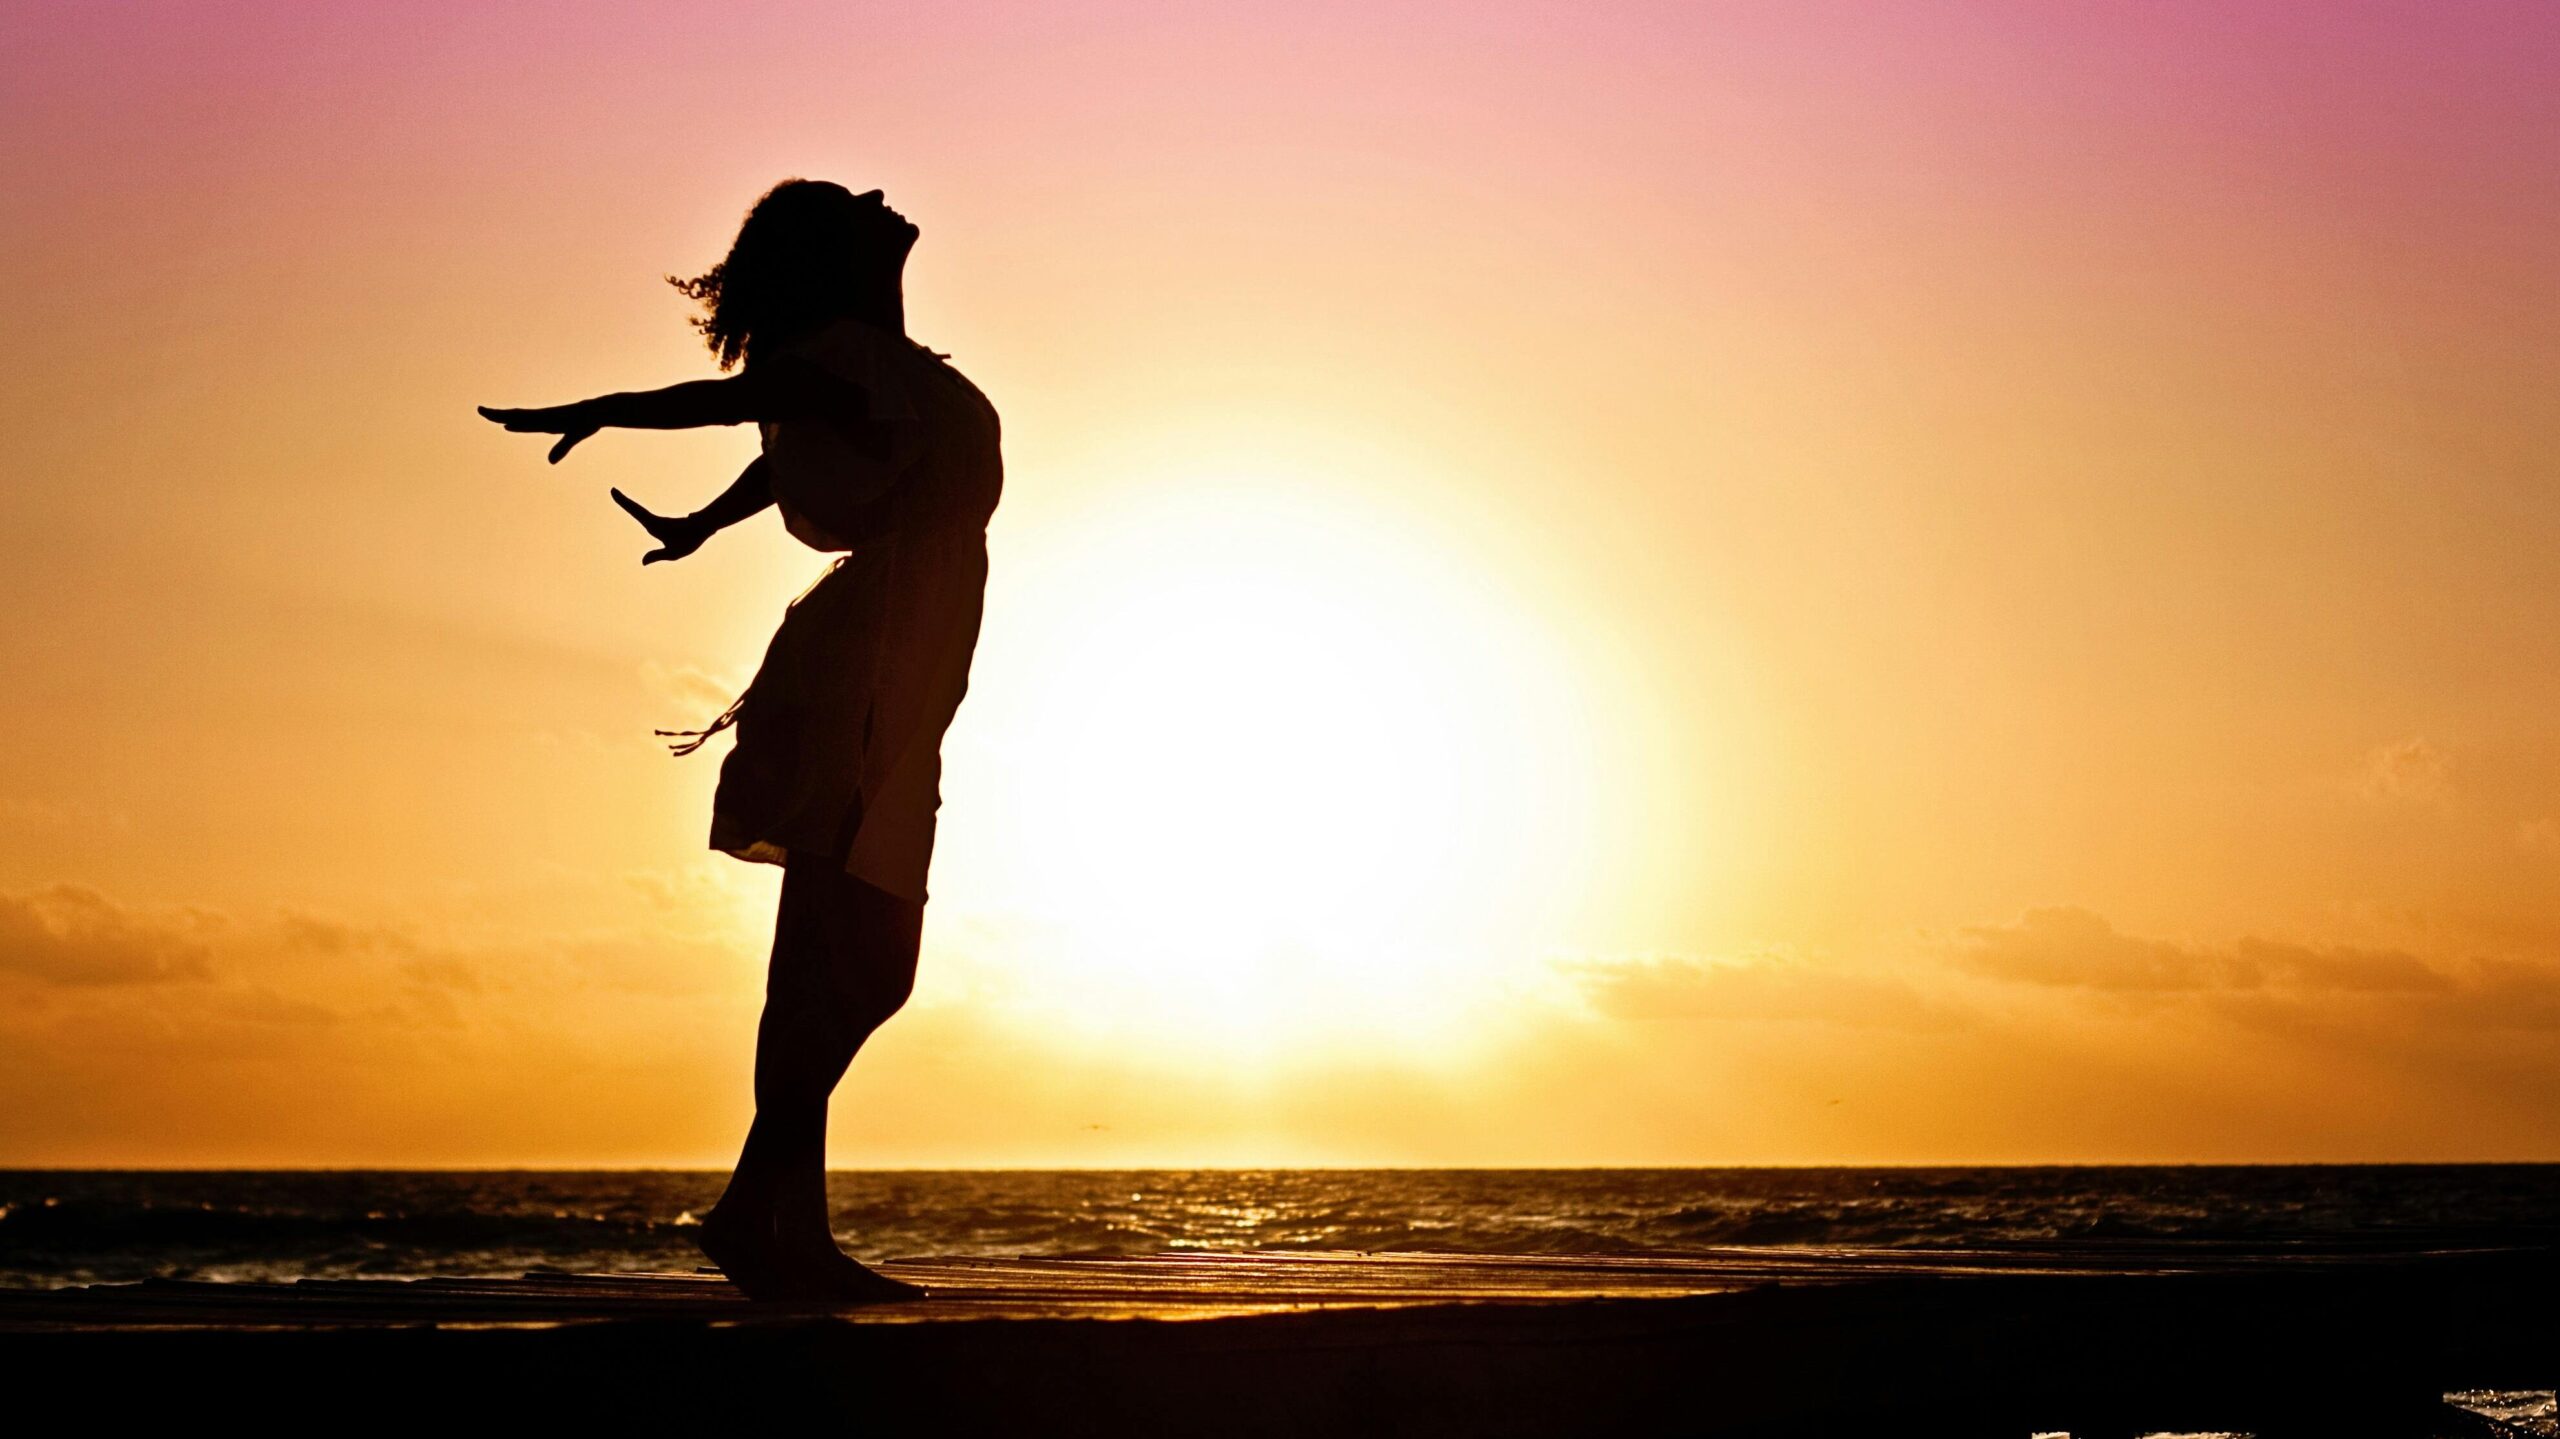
x=1795, y=1342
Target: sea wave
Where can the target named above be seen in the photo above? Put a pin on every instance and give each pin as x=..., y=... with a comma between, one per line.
x=63, y=1227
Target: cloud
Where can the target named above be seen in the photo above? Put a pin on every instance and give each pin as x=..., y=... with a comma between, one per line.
x=1771, y=987
x=329, y=936
x=72, y=936
x=257, y=1004
x=2374, y=971
x=2072, y=948
x=443, y=973
x=2515, y=994
x=689, y=687
x=2407, y=771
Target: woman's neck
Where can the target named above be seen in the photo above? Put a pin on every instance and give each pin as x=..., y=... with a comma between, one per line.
x=886, y=310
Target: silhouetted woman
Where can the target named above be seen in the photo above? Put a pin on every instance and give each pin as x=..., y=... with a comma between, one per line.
x=875, y=447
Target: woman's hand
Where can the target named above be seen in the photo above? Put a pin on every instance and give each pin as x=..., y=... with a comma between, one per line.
x=571, y=423
x=677, y=535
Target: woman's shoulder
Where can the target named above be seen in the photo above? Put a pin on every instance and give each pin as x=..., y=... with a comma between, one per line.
x=864, y=356
x=900, y=378
x=842, y=339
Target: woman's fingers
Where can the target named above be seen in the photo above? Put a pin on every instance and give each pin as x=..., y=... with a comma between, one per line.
x=636, y=510
x=673, y=547
x=567, y=443
x=674, y=539
x=544, y=421
x=561, y=420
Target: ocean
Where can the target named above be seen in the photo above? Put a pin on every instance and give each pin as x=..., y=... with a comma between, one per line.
x=60, y=1227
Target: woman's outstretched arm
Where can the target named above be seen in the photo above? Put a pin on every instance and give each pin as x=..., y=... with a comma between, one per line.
x=776, y=390
x=680, y=535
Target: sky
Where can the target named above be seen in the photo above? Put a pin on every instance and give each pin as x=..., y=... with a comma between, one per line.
x=1785, y=583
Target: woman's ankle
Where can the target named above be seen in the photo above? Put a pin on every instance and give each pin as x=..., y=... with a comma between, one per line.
x=738, y=1215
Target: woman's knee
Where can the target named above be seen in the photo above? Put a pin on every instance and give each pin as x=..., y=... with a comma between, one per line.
x=885, y=996
x=833, y=1011
x=864, y=995
x=845, y=953
x=872, y=937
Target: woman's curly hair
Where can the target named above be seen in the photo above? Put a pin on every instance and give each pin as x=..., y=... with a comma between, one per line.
x=791, y=269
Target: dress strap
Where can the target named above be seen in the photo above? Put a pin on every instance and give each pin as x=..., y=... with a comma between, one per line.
x=695, y=739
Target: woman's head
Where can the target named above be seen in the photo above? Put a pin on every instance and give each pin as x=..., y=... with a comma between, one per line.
x=809, y=252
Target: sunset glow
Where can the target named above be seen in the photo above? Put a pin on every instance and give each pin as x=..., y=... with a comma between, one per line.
x=1645, y=583
x=1277, y=768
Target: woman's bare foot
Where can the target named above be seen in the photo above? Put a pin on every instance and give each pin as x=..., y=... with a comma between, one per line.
x=749, y=1255
x=859, y=1282
x=819, y=1266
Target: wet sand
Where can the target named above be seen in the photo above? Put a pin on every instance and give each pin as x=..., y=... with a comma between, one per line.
x=2333, y=1341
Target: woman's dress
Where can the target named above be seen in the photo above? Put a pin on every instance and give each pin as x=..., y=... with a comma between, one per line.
x=839, y=737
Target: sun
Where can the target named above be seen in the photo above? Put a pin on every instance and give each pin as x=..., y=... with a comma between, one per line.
x=1272, y=766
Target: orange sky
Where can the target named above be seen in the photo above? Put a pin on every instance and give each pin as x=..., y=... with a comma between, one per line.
x=1578, y=584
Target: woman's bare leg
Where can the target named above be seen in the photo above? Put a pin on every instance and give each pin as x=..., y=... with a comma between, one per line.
x=844, y=957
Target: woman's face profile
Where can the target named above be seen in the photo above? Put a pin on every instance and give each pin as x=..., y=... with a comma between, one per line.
x=879, y=231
